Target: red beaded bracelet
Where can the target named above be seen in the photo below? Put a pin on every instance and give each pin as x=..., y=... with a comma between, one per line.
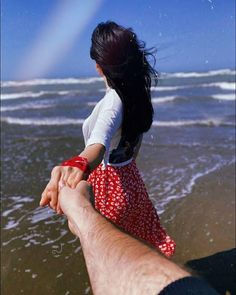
x=79, y=162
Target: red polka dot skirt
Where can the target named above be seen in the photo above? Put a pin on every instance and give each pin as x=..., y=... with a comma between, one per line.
x=121, y=196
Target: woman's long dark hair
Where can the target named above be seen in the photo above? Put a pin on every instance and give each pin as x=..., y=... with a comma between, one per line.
x=124, y=62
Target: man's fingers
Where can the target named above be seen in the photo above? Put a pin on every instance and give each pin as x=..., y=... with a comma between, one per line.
x=86, y=190
x=83, y=186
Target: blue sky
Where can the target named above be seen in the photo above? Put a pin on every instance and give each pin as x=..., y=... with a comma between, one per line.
x=45, y=38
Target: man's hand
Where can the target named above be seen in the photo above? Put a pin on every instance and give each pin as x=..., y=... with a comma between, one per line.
x=74, y=200
x=75, y=203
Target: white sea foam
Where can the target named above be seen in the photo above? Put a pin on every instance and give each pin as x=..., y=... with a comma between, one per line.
x=42, y=122
x=41, y=214
x=30, y=94
x=21, y=95
x=157, y=100
x=90, y=80
x=166, y=99
x=66, y=81
x=14, y=208
x=178, y=177
x=221, y=85
x=207, y=122
x=229, y=96
x=26, y=106
x=169, y=88
x=66, y=121
x=199, y=74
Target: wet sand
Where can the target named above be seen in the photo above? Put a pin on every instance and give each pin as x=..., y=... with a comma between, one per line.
x=39, y=255
x=202, y=225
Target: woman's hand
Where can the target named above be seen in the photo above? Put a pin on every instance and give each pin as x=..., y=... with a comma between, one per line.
x=70, y=176
x=60, y=176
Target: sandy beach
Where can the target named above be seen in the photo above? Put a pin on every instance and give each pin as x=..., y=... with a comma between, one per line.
x=203, y=224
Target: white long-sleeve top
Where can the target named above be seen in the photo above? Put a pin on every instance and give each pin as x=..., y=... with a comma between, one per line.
x=104, y=125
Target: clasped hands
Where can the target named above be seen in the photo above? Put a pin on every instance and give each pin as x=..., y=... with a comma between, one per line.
x=60, y=176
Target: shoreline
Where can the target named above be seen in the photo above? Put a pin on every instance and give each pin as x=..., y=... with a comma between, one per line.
x=203, y=223
x=203, y=227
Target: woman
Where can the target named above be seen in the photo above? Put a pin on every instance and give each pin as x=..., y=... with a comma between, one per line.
x=113, y=135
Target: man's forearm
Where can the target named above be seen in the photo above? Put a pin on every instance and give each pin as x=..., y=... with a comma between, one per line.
x=118, y=263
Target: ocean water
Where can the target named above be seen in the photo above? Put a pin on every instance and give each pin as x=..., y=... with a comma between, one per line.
x=193, y=134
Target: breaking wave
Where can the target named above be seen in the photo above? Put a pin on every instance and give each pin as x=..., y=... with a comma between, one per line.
x=200, y=122
x=221, y=85
x=30, y=94
x=26, y=106
x=200, y=74
x=66, y=121
x=229, y=96
x=37, y=82
x=42, y=122
x=157, y=100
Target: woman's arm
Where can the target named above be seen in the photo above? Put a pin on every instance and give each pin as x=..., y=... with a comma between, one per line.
x=94, y=154
x=107, y=123
x=70, y=176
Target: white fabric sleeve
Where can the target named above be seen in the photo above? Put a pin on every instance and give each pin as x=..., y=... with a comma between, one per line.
x=108, y=122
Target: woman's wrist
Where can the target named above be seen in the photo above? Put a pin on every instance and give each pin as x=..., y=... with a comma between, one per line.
x=78, y=162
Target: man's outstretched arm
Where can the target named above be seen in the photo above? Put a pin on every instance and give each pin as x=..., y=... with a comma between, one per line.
x=116, y=262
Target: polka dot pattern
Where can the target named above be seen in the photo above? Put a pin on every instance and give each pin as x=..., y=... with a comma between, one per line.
x=121, y=196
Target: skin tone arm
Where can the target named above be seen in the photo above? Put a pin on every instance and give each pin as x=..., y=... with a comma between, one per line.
x=70, y=176
x=116, y=262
